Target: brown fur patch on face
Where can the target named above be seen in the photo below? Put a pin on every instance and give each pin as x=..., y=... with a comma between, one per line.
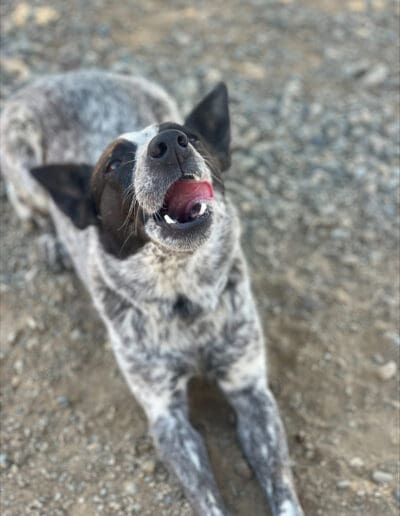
x=121, y=219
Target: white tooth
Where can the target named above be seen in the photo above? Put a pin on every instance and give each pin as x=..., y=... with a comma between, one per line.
x=168, y=219
x=202, y=208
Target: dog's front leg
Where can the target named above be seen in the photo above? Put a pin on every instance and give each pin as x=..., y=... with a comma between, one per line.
x=260, y=428
x=241, y=373
x=161, y=390
x=263, y=440
x=183, y=451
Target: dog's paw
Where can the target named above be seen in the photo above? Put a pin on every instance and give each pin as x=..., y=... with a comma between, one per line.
x=290, y=508
x=51, y=251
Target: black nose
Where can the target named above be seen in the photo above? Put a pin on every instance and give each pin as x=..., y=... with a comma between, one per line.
x=168, y=146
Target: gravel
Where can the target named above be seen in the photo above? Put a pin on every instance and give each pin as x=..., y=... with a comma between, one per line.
x=314, y=101
x=388, y=370
x=382, y=477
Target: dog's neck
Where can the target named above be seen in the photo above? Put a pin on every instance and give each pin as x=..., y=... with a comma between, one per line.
x=156, y=274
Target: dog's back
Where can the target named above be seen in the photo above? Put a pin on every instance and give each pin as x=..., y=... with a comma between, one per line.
x=70, y=118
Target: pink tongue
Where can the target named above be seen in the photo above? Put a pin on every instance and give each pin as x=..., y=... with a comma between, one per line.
x=183, y=195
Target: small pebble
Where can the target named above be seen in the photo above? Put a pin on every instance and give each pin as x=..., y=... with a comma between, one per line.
x=15, y=381
x=76, y=334
x=31, y=323
x=343, y=484
x=381, y=477
x=388, y=370
x=63, y=401
x=377, y=75
x=356, y=462
x=12, y=336
x=130, y=488
x=18, y=366
x=4, y=461
x=393, y=338
x=378, y=359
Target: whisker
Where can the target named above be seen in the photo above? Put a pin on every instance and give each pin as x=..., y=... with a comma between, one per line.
x=126, y=241
x=137, y=212
x=217, y=179
x=129, y=193
x=213, y=175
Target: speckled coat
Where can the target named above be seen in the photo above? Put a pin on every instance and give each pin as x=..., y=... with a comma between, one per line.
x=174, y=308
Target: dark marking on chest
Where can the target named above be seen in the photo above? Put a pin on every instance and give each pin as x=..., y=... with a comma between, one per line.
x=185, y=309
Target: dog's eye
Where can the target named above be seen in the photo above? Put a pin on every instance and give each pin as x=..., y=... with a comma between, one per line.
x=113, y=166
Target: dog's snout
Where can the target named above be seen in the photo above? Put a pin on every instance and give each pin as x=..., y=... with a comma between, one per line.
x=168, y=144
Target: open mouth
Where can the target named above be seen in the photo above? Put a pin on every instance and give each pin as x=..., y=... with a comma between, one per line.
x=186, y=204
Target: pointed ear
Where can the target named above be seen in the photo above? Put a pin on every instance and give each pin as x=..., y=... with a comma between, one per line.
x=69, y=186
x=210, y=119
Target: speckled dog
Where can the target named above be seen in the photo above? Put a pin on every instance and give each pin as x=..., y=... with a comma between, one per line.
x=156, y=243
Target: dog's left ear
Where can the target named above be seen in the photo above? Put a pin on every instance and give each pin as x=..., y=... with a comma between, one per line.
x=69, y=186
x=210, y=119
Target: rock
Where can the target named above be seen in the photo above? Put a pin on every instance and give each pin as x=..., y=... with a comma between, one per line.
x=76, y=334
x=388, y=370
x=4, y=461
x=350, y=260
x=292, y=90
x=377, y=75
x=12, y=337
x=342, y=296
x=356, y=462
x=130, y=488
x=18, y=366
x=31, y=323
x=343, y=484
x=381, y=477
x=63, y=401
x=15, y=381
x=340, y=233
x=378, y=358
x=393, y=338
x=45, y=15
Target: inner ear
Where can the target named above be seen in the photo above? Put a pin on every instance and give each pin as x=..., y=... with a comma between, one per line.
x=210, y=119
x=69, y=186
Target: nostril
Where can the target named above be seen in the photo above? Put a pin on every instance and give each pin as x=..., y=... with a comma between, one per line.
x=158, y=149
x=182, y=140
x=167, y=143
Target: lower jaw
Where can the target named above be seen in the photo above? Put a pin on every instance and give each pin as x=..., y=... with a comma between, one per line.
x=183, y=239
x=182, y=227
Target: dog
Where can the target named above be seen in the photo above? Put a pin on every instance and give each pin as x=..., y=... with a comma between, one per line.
x=136, y=195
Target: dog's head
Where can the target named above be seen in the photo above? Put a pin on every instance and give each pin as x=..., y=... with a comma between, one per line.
x=162, y=183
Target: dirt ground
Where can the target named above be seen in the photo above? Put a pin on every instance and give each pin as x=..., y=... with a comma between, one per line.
x=314, y=98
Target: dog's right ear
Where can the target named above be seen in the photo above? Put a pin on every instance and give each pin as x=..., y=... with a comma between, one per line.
x=69, y=186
